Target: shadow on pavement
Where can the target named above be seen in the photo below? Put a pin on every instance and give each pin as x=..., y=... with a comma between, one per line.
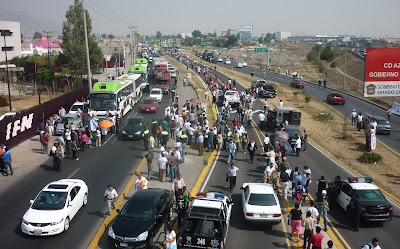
x=98, y=213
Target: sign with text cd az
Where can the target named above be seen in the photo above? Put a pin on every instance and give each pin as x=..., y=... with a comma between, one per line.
x=261, y=50
x=382, y=72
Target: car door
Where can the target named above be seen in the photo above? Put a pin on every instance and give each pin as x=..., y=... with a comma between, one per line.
x=73, y=203
x=345, y=195
x=245, y=196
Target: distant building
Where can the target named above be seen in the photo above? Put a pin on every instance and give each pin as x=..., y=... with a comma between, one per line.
x=282, y=36
x=246, y=32
x=13, y=42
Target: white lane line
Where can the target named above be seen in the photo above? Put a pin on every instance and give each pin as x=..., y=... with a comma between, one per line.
x=209, y=173
x=73, y=173
x=116, y=137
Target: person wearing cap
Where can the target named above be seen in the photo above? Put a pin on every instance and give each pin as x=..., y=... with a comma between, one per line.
x=373, y=245
x=355, y=205
x=323, y=208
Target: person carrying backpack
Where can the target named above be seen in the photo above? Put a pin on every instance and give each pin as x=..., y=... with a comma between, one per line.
x=298, y=191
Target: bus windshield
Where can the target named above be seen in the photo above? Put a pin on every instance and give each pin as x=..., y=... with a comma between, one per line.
x=103, y=102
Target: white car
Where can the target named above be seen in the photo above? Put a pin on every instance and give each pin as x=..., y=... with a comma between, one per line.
x=150, y=59
x=260, y=203
x=220, y=59
x=228, y=62
x=244, y=63
x=83, y=106
x=239, y=65
x=232, y=97
x=54, y=207
x=156, y=93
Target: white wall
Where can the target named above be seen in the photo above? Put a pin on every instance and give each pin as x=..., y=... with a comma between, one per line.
x=12, y=41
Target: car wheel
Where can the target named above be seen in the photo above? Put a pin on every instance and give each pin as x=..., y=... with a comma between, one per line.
x=343, y=103
x=66, y=224
x=85, y=199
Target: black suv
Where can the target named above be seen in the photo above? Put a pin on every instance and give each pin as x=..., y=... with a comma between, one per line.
x=268, y=88
x=140, y=219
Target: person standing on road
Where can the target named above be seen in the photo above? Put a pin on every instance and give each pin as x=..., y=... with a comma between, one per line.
x=181, y=208
x=261, y=118
x=231, y=151
x=285, y=180
x=50, y=126
x=325, y=82
x=252, y=73
x=177, y=186
x=319, y=82
x=305, y=138
x=298, y=145
x=389, y=113
x=355, y=205
x=353, y=117
x=110, y=195
x=231, y=176
x=323, y=208
x=162, y=166
x=149, y=156
x=313, y=210
x=296, y=218
x=45, y=140
x=61, y=144
x=200, y=143
x=308, y=224
x=373, y=245
x=170, y=235
x=317, y=238
x=7, y=159
x=173, y=166
x=252, y=147
x=141, y=182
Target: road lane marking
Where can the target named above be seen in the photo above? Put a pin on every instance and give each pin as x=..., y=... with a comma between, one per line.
x=73, y=173
x=209, y=174
x=95, y=241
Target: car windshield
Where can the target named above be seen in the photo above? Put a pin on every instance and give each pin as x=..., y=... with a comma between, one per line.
x=156, y=92
x=134, y=122
x=148, y=101
x=230, y=93
x=138, y=210
x=262, y=200
x=382, y=122
x=268, y=87
x=48, y=200
x=370, y=195
x=337, y=95
x=75, y=107
x=292, y=133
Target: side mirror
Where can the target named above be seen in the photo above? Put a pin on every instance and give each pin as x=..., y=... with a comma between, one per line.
x=31, y=202
x=159, y=216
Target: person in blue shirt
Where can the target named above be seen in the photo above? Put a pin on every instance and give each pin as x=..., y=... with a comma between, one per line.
x=356, y=208
x=6, y=155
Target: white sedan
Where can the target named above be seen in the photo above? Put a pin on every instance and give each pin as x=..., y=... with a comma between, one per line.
x=220, y=59
x=228, y=62
x=54, y=207
x=156, y=93
x=244, y=63
x=260, y=203
x=239, y=65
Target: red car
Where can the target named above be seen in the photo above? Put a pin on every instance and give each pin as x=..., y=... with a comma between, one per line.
x=149, y=105
x=335, y=98
x=297, y=83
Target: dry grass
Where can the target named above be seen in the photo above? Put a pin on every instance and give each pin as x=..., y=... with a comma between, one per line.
x=329, y=135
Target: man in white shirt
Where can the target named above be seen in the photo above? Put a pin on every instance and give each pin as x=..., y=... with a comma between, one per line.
x=162, y=165
x=61, y=112
x=268, y=173
x=110, y=195
x=280, y=103
x=312, y=210
x=298, y=145
x=373, y=245
x=353, y=117
x=266, y=143
x=265, y=105
x=231, y=174
x=261, y=118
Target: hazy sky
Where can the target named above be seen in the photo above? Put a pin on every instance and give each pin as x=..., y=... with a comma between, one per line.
x=359, y=17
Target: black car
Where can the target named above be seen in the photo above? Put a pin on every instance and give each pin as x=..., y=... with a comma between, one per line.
x=268, y=88
x=138, y=222
x=133, y=129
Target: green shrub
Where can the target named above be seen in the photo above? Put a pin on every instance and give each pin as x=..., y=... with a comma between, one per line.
x=307, y=99
x=369, y=157
x=324, y=117
x=295, y=94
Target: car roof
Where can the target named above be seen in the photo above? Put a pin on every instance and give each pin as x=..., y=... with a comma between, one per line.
x=157, y=89
x=68, y=183
x=69, y=115
x=260, y=188
x=291, y=127
x=136, y=117
x=147, y=194
x=379, y=118
x=361, y=185
x=336, y=93
x=79, y=103
x=150, y=98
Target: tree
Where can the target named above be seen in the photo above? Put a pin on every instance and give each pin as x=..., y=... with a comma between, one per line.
x=327, y=54
x=260, y=40
x=111, y=36
x=103, y=36
x=179, y=36
x=232, y=41
x=74, y=41
x=37, y=35
x=93, y=35
x=45, y=74
x=269, y=37
x=196, y=33
x=158, y=35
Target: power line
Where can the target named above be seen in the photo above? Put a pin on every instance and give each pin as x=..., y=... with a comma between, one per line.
x=112, y=13
x=114, y=21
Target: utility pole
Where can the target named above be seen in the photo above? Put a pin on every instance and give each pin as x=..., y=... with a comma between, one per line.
x=133, y=43
x=48, y=45
x=4, y=33
x=344, y=71
x=89, y=74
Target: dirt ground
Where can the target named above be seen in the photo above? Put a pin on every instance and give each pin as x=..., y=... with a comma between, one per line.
x=329, y=135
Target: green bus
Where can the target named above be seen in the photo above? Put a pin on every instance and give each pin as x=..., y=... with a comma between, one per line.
x=140, y=69
x=122, y=94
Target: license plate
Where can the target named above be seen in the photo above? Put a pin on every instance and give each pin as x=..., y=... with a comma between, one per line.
x=265, y=216
x=123, y=244
x=147, y=110
x=130, y=135
x=37, y=232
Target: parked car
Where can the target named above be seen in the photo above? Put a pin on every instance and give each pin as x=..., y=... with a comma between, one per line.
x=228, y=62
x=54, y=207
x=149, y=105
x=383, y=125
x=133, y=128
x=244, y=64
x=83, y=106
x=220, y=59
x=156, y=93
x=68, y=119
x=297, y=83
x=239, y=65
x=141, y=218
x=260, y=203
x=335, y=98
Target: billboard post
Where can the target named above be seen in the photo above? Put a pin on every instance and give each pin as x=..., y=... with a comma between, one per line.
x=382, y=72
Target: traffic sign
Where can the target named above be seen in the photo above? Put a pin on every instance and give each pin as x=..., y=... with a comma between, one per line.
x=258, y=50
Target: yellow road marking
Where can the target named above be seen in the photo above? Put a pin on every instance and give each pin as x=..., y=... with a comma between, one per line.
x=95, y=241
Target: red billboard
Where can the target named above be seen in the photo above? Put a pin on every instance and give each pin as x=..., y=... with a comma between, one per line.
x=382, y=72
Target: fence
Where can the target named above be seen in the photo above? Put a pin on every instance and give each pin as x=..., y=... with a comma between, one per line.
x=23, y=125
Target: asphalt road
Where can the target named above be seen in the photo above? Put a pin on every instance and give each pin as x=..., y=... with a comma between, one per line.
x=113, y=163
x=392, y=140
x=250, y=236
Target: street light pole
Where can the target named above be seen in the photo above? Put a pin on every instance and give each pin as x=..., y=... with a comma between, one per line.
x=5, y=33
x=89, y=74
x=344, y=71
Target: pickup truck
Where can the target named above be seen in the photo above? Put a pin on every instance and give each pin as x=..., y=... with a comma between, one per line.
x=232, y=97
x=335, y=98
x=207, y=221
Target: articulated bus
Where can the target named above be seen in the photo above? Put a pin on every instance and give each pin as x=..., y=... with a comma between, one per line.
x=122, y=93
x=140, y=69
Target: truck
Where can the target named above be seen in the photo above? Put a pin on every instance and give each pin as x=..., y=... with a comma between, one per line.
x=232, y=97
x=289, y=113
x=207, y=221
